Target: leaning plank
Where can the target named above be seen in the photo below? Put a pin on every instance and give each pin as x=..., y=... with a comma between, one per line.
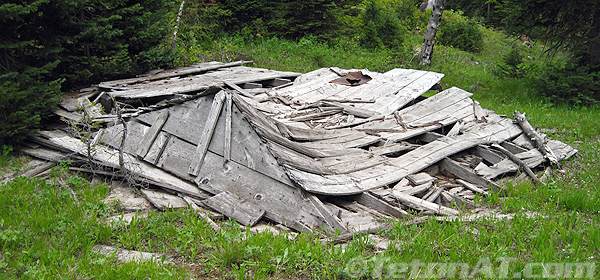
x=228, y=116
x=239, y=89
x=540, y=142
x=519, y=162
x=332, y=220
x=379, y=205
x=207, y=132
x=151, y=134
x=235, y=207
x=420, y=204
x=124, y=256
x=472, y=187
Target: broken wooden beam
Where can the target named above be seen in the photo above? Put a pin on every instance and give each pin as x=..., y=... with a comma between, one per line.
x=540, y=142
x=519, y=162
x=420, y=204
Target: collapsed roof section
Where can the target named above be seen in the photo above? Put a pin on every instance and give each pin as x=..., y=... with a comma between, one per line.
x=303, y=151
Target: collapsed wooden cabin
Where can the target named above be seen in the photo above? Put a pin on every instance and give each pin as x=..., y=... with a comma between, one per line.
x=333, y=149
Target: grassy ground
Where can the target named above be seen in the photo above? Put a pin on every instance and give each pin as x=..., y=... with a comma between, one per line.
x=45, y=233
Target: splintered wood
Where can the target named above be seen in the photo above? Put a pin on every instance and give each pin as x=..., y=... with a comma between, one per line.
x=299, y=150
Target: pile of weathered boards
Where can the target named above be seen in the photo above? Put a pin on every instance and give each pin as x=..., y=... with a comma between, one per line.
x=331, y=150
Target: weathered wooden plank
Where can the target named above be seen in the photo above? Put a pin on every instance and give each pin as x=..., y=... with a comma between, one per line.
x=332, y=220
x=420, y=178
x=419, y=189
x=420, y=204
x=194, y=69
x=151, y=134
x=239, y=89
x=372, y=202
x=228, y=116
x=488, y=155
x=235, y=207
x=472, y=187
x=463, y=173
x=562, y=150
x=540, y=142
x=289, y=157
x=406, y=94
x=163, y=201
x=207, y=132
x=157, y=148
x=519, y=162
x=110, y=158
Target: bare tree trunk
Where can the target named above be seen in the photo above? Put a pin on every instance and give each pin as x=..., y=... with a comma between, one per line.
x=432, y=28
x=177, y=23
x=423, y=6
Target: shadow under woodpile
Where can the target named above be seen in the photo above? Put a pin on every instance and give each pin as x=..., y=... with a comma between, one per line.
x=297, y=149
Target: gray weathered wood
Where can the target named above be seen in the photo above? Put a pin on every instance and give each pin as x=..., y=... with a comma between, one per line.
x=207, y=132
x=332, y=220
x=235, y=207
x=540, y=142
x=150, y=135
x=472, y=187
x=466, y=174
x=239, y=89
x=420, y=204
x=163, y=201
x=519, y=162
x=228, y=116
x=379, y=205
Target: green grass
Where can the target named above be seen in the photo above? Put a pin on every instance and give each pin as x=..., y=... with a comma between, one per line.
x=45, y=234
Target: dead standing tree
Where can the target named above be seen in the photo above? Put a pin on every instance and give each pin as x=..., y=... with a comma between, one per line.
x=432, y=28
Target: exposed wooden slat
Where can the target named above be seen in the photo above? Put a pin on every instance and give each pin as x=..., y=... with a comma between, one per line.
x=235, y=207
x=207, y=132
x=163, y=201
x=466, y=174
x=239, y=89
x=150, y=135
x=371, y=201
x=228, y=116
x=420, y=204
x=332, y=220
x=110, y=158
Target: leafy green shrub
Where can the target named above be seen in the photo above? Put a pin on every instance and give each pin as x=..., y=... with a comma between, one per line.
x=575, y=85
x=512, y=65
x=460, y=32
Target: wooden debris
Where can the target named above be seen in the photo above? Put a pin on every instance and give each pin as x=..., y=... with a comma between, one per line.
x=235, y=207
x=123, y=255
x=540, y=142
x=519, y=162
x=295, y=149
